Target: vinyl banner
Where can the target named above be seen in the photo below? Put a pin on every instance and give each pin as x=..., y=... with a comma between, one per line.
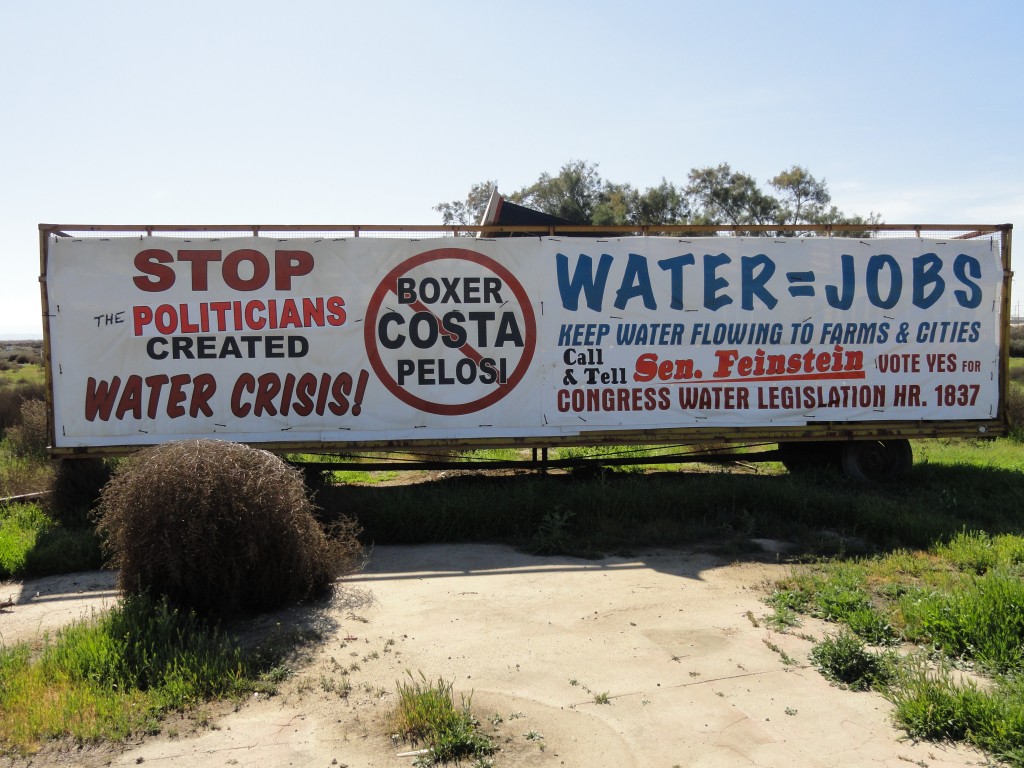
x=373, y=339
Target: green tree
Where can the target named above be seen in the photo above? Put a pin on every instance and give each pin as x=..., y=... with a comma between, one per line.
x=805, y=200
x=663, y=204
x=802, y=198
x=470, y=210
x=571, y=195
x=721, y=195
x=622, y=204
x=713, y=195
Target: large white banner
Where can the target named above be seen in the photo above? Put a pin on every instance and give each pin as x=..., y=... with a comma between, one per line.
x=313, y=340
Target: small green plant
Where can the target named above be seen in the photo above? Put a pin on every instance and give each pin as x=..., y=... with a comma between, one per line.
x=872, y=626
x=426, y=713
x=341, y=688
x=786, y=659
x=787, y=604
x=552, y=536
x=977, y=552
x=843, y=659
x=602, y=698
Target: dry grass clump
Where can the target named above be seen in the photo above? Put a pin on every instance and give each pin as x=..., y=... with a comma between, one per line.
x=220, y=528
x=13, y=396
x=30, y=436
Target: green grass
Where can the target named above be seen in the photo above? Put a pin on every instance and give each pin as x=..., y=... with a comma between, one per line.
x=21, y=525
x=22, y=474
x=116, y=676
x=956, y=484
x=33, y=544
x=29, y=373
x=979, y=618
x=961, y=601
x=932, y=704
x=426, y=713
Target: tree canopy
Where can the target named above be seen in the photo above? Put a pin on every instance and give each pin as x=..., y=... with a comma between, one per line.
x=712, y=195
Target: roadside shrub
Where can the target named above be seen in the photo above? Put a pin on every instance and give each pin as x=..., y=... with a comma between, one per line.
x=30, y=436
x=1017, y=341
x=1015, y=410
x=12, y=397
x=220, y=528
x=19, y=475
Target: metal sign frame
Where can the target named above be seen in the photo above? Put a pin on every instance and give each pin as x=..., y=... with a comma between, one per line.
x=1001, y=234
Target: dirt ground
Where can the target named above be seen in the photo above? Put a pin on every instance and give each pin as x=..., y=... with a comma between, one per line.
x=674, y=641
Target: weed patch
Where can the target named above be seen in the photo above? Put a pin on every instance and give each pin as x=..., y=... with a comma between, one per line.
x=20, y=526
x=426, y=713
x=33, y=544
x=982, y=619
x=964, y=599
x=931, y=705
x=114, y=676
x=844, y=659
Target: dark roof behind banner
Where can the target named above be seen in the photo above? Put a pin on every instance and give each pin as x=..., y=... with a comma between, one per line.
x=501, y=212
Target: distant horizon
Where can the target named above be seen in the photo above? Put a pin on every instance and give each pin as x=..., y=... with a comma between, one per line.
x=19, y=336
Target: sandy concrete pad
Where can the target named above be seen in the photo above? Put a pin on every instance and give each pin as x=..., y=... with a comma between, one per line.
x=36, y=607
x=658, y=660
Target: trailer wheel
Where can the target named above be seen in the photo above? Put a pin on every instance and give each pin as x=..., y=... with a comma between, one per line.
x=873, y=461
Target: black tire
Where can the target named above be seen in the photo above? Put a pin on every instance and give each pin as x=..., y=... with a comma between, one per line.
x=873, y=461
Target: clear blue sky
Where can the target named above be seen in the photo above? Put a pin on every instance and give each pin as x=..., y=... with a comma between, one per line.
x=333, y=112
